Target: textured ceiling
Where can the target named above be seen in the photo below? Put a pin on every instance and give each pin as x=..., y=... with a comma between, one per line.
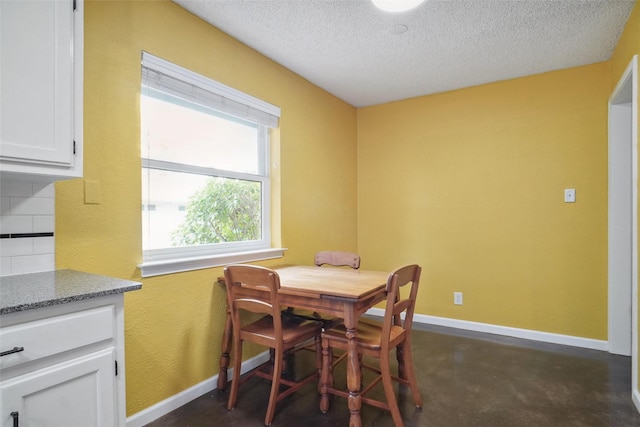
x=360, y=54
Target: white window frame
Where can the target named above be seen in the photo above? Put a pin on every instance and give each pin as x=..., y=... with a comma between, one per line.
x=175, y=80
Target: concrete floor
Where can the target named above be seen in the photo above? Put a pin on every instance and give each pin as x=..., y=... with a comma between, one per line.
x=466, y=379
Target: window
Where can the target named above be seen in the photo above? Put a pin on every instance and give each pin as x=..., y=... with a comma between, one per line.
x=205, y=171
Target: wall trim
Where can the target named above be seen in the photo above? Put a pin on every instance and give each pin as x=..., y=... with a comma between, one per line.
x=177, y=400
x=527, y=334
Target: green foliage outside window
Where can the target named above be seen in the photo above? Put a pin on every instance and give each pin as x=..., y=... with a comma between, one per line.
x=225, y=210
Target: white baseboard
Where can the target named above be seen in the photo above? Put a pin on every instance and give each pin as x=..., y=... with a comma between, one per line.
x=527, y=334
x=174, y=402
x=177, y=400
x=636, y=399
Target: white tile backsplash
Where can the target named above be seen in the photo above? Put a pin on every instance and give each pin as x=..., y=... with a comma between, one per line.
x=16, y=188
x=43, y=223
x=5, y=205
x=43, y=189
x=26, y=207
x=16, y=247
x=44, y=245
x=32, y=263
x=32, y=206
x=5, y=266
x=17, y=224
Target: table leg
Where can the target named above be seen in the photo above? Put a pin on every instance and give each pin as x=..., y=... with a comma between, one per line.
x=326, y=377
x=224, y=352
x=354, y=373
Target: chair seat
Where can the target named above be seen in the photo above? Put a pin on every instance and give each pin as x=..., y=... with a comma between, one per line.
x=369, y=335
x=293, y=330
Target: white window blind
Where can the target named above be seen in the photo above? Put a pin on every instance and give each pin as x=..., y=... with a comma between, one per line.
x=163, y=75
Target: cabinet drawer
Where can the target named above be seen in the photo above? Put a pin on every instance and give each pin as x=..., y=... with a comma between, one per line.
x=54, y=335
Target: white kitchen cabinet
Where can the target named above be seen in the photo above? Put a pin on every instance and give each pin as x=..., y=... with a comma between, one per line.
x=67, y=368
x=77, y=393
x=41, y=66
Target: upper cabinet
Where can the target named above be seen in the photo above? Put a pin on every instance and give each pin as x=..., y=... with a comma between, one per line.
x=41, y=66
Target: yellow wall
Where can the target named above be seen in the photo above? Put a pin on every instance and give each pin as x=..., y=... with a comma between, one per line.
x=174, y=324
x=628, y=46
x=470, y=185
x=467, y=183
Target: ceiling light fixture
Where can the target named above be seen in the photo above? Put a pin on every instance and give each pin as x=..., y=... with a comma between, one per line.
x=396, y=5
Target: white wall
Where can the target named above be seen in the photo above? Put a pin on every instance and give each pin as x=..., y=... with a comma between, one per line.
x=26, y=208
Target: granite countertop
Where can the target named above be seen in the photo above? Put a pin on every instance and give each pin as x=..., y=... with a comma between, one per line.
x=36, y=290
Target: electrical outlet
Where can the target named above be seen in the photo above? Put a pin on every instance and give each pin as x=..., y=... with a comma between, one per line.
x=457, y=298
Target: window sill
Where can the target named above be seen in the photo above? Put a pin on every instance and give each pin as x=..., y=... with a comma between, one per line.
x=178, y=265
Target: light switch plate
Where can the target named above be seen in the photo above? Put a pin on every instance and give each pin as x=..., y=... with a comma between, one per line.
x=570, y=195
x=457, y=298
x=91, y=192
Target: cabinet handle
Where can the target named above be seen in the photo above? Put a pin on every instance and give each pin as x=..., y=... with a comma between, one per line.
x=13, y=350
x=15, y=417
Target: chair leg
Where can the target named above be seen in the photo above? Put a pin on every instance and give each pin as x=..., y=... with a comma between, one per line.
x=275, y=387
x=389, y=393
x=272, y=357
x=326, y=376
x=237, y=367
x=400, y=358
x=411, y=376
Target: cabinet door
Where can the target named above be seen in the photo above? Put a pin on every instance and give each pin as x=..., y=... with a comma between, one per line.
x=78, y=393
x=37, y=82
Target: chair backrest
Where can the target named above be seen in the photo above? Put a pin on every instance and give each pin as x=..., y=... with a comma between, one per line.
x=396, y=305
x=255, y=289
x=338, y=259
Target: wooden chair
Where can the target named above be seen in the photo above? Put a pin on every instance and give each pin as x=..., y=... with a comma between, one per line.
x=255, y=289
x=377, y=340
x=337, y=259
x=334, y=259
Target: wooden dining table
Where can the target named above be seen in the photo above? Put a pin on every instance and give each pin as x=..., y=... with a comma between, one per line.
x=344, y=293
